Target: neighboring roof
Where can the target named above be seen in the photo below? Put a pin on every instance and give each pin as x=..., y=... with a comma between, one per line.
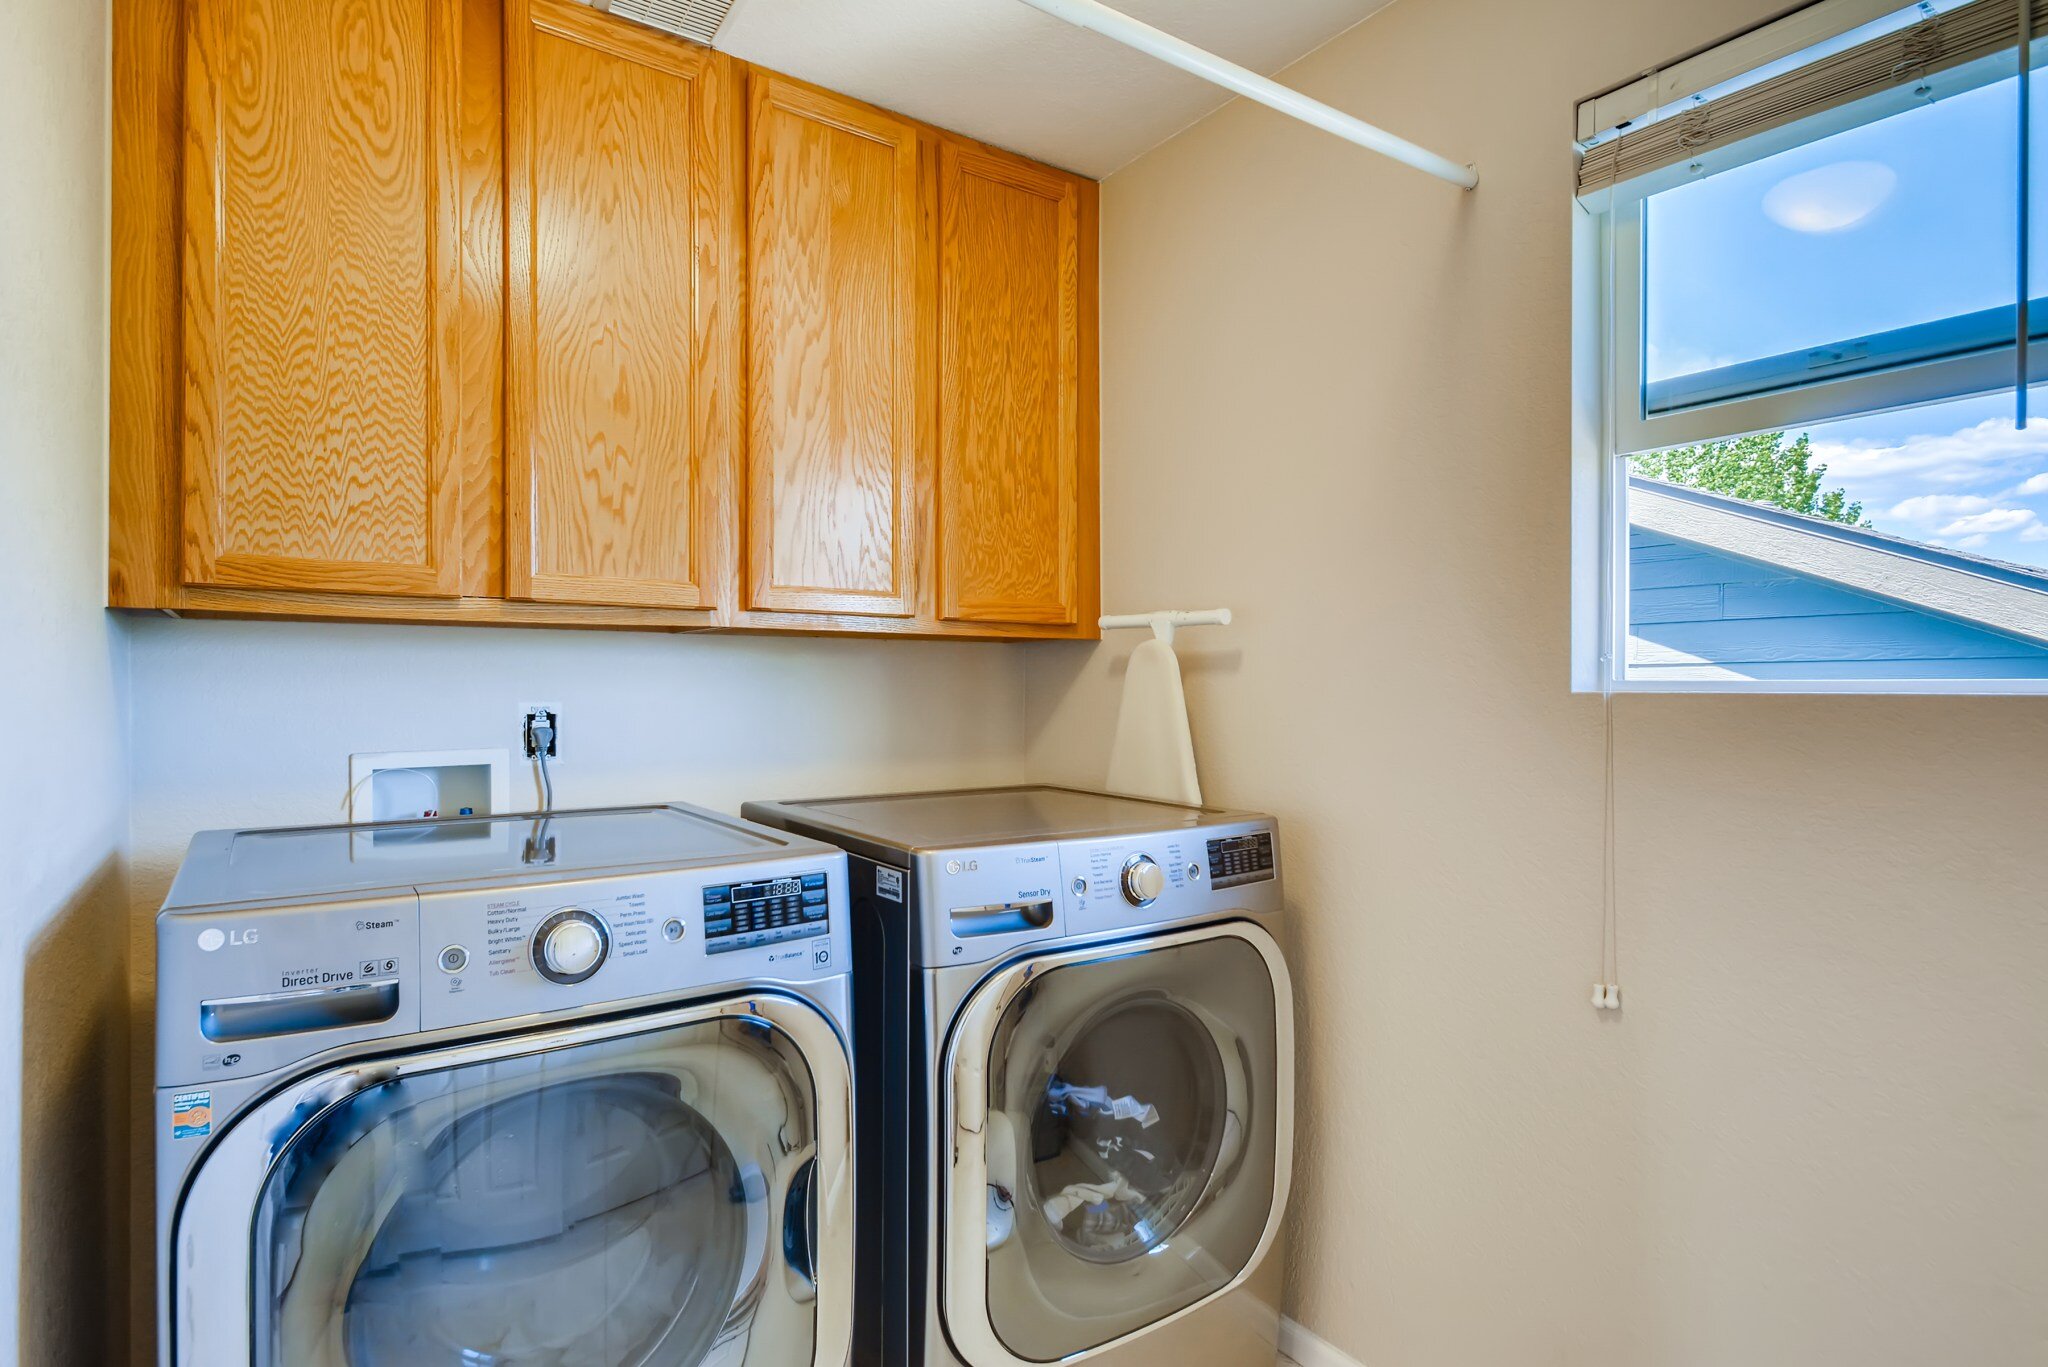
x=1994, y=594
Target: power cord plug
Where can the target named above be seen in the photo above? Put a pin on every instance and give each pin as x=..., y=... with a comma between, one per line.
x=539, y=736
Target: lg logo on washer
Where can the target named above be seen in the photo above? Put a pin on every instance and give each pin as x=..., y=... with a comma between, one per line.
x=213, y=937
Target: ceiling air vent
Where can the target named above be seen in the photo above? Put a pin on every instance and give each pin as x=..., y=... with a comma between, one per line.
x=697, y=20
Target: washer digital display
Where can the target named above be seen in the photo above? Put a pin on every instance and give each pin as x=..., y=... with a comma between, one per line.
x=765, y=912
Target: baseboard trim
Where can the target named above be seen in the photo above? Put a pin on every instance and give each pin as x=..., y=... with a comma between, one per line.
x=1306, y=1348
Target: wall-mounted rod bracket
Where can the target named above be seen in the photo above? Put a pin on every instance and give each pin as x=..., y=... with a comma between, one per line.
x=1163, y=623
x=1097, y=17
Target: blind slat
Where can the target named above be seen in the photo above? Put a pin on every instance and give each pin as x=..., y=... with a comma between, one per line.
x=1937, y=43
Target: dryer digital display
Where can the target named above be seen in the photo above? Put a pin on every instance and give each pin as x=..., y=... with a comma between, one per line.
x=1241, y=859
x=765, y=912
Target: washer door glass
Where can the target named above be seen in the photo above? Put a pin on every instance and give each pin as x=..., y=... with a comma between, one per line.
x=1131, y=1142
x=637, y=1201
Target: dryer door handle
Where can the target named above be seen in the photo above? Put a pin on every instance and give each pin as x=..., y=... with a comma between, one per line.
x=970, y=1093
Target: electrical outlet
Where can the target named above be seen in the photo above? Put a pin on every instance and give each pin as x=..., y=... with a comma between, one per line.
x=547, y=714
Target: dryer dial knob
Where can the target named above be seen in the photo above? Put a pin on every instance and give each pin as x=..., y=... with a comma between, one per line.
x=1143, y=880
x=570, y=946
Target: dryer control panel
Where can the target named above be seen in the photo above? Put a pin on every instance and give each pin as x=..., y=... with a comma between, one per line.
x=982, y=904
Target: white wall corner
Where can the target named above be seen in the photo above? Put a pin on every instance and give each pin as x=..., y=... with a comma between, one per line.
x=1308, y=1350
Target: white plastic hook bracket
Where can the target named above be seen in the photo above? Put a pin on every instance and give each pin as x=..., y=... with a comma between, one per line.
x=1164, y=624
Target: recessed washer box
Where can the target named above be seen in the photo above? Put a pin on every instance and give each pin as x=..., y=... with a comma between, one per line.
x=408, y=785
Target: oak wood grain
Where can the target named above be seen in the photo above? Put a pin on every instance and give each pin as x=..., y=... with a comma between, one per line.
x=619, y=439
x=144, y=497
x=146, y=494
x=835, y=353
x=483, y=298
x=1010, y=318
x=321, y=261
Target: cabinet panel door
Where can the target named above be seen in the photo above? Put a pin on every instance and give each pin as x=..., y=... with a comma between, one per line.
x=621, y=204
x=837, y=361
x=321, y=283
x=1009, y=391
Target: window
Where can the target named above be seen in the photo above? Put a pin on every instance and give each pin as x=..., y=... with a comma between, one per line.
x=1801, y=460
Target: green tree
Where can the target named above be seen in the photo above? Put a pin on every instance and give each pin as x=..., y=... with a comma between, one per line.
x=1763, y=468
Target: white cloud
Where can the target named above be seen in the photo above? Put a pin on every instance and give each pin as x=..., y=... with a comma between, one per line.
x=2037, y=532
x=1968, y=543
x=1935, y=507
x=1991, y=523
x=1952, y=458
x=2037, y=485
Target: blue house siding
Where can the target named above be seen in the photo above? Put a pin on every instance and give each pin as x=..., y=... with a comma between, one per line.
x=1695, y=612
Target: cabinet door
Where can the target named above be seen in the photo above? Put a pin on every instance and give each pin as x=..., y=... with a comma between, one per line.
x=1010, y=457
x=621, y=200
x=837, y=355
x=321, y=261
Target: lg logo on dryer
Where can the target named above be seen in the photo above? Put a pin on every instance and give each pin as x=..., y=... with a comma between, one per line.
x=213, y=937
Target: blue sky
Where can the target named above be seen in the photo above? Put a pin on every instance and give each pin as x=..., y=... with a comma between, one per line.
x=1902, y=221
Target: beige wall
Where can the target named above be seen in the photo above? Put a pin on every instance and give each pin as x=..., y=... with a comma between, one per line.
x=1336, y=399
x=62, y=963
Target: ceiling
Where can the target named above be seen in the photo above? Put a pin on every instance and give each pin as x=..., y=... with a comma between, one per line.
x=1005, y=73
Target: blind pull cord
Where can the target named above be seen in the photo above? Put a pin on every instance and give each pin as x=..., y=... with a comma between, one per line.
x=2022, y=338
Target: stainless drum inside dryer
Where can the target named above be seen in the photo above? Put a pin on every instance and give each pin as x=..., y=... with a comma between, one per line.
x=1128, y=1140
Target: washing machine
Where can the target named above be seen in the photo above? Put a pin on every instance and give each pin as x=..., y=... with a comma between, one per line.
x=561, y=1091
x=1076, y=1068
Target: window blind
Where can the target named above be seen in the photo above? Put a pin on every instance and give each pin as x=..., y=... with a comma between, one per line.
x=1937, y=42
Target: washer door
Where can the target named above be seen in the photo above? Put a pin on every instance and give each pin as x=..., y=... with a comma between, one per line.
x=655, y=1193
x=1121, y=1132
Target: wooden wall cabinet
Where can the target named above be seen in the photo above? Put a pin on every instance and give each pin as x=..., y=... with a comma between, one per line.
x=321, y=283
x=1010, y=462
x=622, y=284
x=839, y=361
x=509, y=311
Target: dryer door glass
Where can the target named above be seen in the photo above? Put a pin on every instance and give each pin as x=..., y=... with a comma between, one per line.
x=639, y=1200
x=1131, y=1139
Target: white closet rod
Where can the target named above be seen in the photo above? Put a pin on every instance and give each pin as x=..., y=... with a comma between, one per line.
x=1100, y=18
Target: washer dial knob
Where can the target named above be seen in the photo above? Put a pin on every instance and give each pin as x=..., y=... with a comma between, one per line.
x=1143, y=880
x=570, y=945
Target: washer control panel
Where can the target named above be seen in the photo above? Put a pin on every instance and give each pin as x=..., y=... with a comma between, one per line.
x=766, y=911
x=504, y=952
x=247, y=989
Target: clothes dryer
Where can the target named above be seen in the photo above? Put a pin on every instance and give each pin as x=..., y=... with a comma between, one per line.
x=1076, y=1063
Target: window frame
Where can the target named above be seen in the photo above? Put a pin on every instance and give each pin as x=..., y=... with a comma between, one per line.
x=1611, y=421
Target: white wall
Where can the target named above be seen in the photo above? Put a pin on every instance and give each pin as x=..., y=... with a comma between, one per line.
x=252, y=723
x=1336, y=399
x=61, y=798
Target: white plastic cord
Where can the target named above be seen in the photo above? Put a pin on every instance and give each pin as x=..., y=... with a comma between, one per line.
x=1607, y=992
x=1614, y=485
x=2023, y=338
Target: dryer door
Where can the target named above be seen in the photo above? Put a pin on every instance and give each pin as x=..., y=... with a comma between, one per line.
x=664, y=1191
x=1122, y=1130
